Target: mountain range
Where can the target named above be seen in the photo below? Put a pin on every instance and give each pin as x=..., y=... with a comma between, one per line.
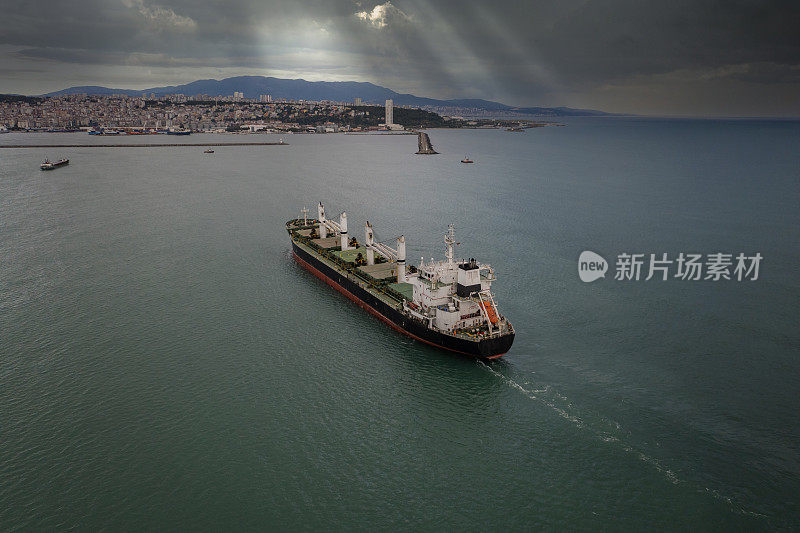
x=337, y=91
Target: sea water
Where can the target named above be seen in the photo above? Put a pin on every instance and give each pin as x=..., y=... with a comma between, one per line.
x=165, y=364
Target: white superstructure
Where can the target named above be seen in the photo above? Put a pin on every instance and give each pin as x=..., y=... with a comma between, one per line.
x=454, y=294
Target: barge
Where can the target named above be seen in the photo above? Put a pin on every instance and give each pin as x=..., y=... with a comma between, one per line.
x=50, y=165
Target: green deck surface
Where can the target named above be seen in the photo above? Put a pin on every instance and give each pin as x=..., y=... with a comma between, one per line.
x=406, y=289
x=350, y=255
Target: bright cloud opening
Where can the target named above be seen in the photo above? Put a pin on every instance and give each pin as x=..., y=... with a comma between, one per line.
x=381, y=14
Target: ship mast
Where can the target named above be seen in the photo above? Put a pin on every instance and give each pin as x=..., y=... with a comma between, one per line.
x=323, y=230
x=449, y=241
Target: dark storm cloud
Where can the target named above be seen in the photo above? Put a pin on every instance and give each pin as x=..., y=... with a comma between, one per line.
x=595, y=42
x=575, y=52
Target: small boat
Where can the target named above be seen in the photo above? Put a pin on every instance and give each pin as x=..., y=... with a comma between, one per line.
x=50, y=165
x=209, y=151
x=467, y=160
x=103, y=131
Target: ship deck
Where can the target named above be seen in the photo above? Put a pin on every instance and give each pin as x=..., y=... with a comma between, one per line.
x=361, y=282
x=380, y=271
x=327, y=242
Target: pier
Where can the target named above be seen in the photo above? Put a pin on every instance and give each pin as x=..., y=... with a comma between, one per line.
x=147, y=145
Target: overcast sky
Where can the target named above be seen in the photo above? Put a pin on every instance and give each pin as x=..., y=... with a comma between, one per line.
x=677, y=57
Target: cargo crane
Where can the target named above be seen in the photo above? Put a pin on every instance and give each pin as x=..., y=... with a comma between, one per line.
x=339, y=228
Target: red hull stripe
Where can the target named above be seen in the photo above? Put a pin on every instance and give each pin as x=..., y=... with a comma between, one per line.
x=374, y=311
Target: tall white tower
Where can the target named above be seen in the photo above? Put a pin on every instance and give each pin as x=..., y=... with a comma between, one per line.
x=369, y=240
x=389, y=113
x=345, y=240
x=323, y=230
x=401, y=259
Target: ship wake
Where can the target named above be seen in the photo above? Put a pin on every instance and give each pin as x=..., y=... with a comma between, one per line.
x=606, y=430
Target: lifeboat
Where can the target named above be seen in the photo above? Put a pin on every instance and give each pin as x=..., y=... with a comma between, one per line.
x=490, y=312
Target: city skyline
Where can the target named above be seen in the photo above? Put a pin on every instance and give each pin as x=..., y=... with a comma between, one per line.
x=687, y=58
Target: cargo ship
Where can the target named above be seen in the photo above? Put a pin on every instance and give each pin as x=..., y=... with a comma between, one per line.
x=447, y=303
x=50, y=165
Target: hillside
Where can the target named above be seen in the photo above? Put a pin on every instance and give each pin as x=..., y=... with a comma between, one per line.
x=337, y=91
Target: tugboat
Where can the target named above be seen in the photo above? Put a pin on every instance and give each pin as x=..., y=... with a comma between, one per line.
x=447, y=304
x=50, y=165
x=208, y=151
x=467, y=160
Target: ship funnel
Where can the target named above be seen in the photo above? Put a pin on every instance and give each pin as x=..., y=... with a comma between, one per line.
x=323, y=231
x=343, y=230
x=369, y=240
x=401, y=259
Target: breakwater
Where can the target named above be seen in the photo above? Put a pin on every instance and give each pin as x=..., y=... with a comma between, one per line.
x=147, y=145
x=424, y=144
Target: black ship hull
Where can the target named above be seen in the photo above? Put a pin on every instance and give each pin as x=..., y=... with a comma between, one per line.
x=491, y=348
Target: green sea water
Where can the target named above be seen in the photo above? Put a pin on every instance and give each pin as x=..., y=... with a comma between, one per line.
x=164, y=363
